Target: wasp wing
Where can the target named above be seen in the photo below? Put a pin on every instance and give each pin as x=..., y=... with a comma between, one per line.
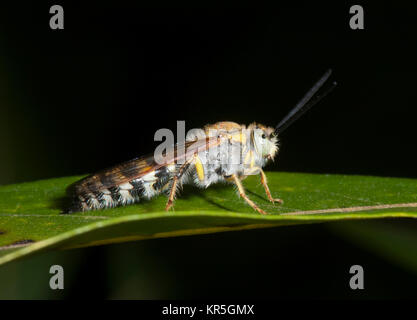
x=137, y=168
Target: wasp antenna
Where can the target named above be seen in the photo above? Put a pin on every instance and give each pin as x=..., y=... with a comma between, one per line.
x=306, y=102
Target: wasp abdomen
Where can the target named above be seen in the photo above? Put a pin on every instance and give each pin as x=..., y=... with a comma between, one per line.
x=100, y=192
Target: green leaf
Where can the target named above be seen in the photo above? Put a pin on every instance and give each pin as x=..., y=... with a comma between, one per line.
x=30, y=219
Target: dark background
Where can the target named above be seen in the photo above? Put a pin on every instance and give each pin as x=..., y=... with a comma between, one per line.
x=80, y=99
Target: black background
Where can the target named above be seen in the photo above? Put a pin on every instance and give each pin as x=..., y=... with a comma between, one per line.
x=92, y=95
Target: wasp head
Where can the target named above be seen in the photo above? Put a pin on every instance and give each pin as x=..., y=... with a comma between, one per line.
x=265, y=141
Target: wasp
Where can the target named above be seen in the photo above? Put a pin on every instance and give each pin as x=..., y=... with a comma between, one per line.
x=223, y=152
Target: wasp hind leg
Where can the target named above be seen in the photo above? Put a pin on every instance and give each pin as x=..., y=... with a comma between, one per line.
x=242, y=193
x=264, y=182
x=174, y=185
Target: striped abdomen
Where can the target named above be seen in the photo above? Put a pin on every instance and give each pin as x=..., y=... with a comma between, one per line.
x=109, y=189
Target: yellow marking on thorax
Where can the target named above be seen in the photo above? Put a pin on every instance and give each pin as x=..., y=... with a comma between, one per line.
x=199, y=168
x=249, y=158
x=238, y=137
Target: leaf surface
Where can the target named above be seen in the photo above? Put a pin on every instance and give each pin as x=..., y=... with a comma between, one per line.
x=31, y=219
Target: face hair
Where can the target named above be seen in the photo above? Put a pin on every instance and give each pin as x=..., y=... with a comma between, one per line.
x=306, y=102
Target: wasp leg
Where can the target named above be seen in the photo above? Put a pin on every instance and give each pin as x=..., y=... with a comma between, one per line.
x=175, y=180
x=264, y=182
x=242, y=193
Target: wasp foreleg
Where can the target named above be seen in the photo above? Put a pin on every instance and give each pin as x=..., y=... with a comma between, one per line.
x=174, y=185
x=242, y=193
x=264, y=182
